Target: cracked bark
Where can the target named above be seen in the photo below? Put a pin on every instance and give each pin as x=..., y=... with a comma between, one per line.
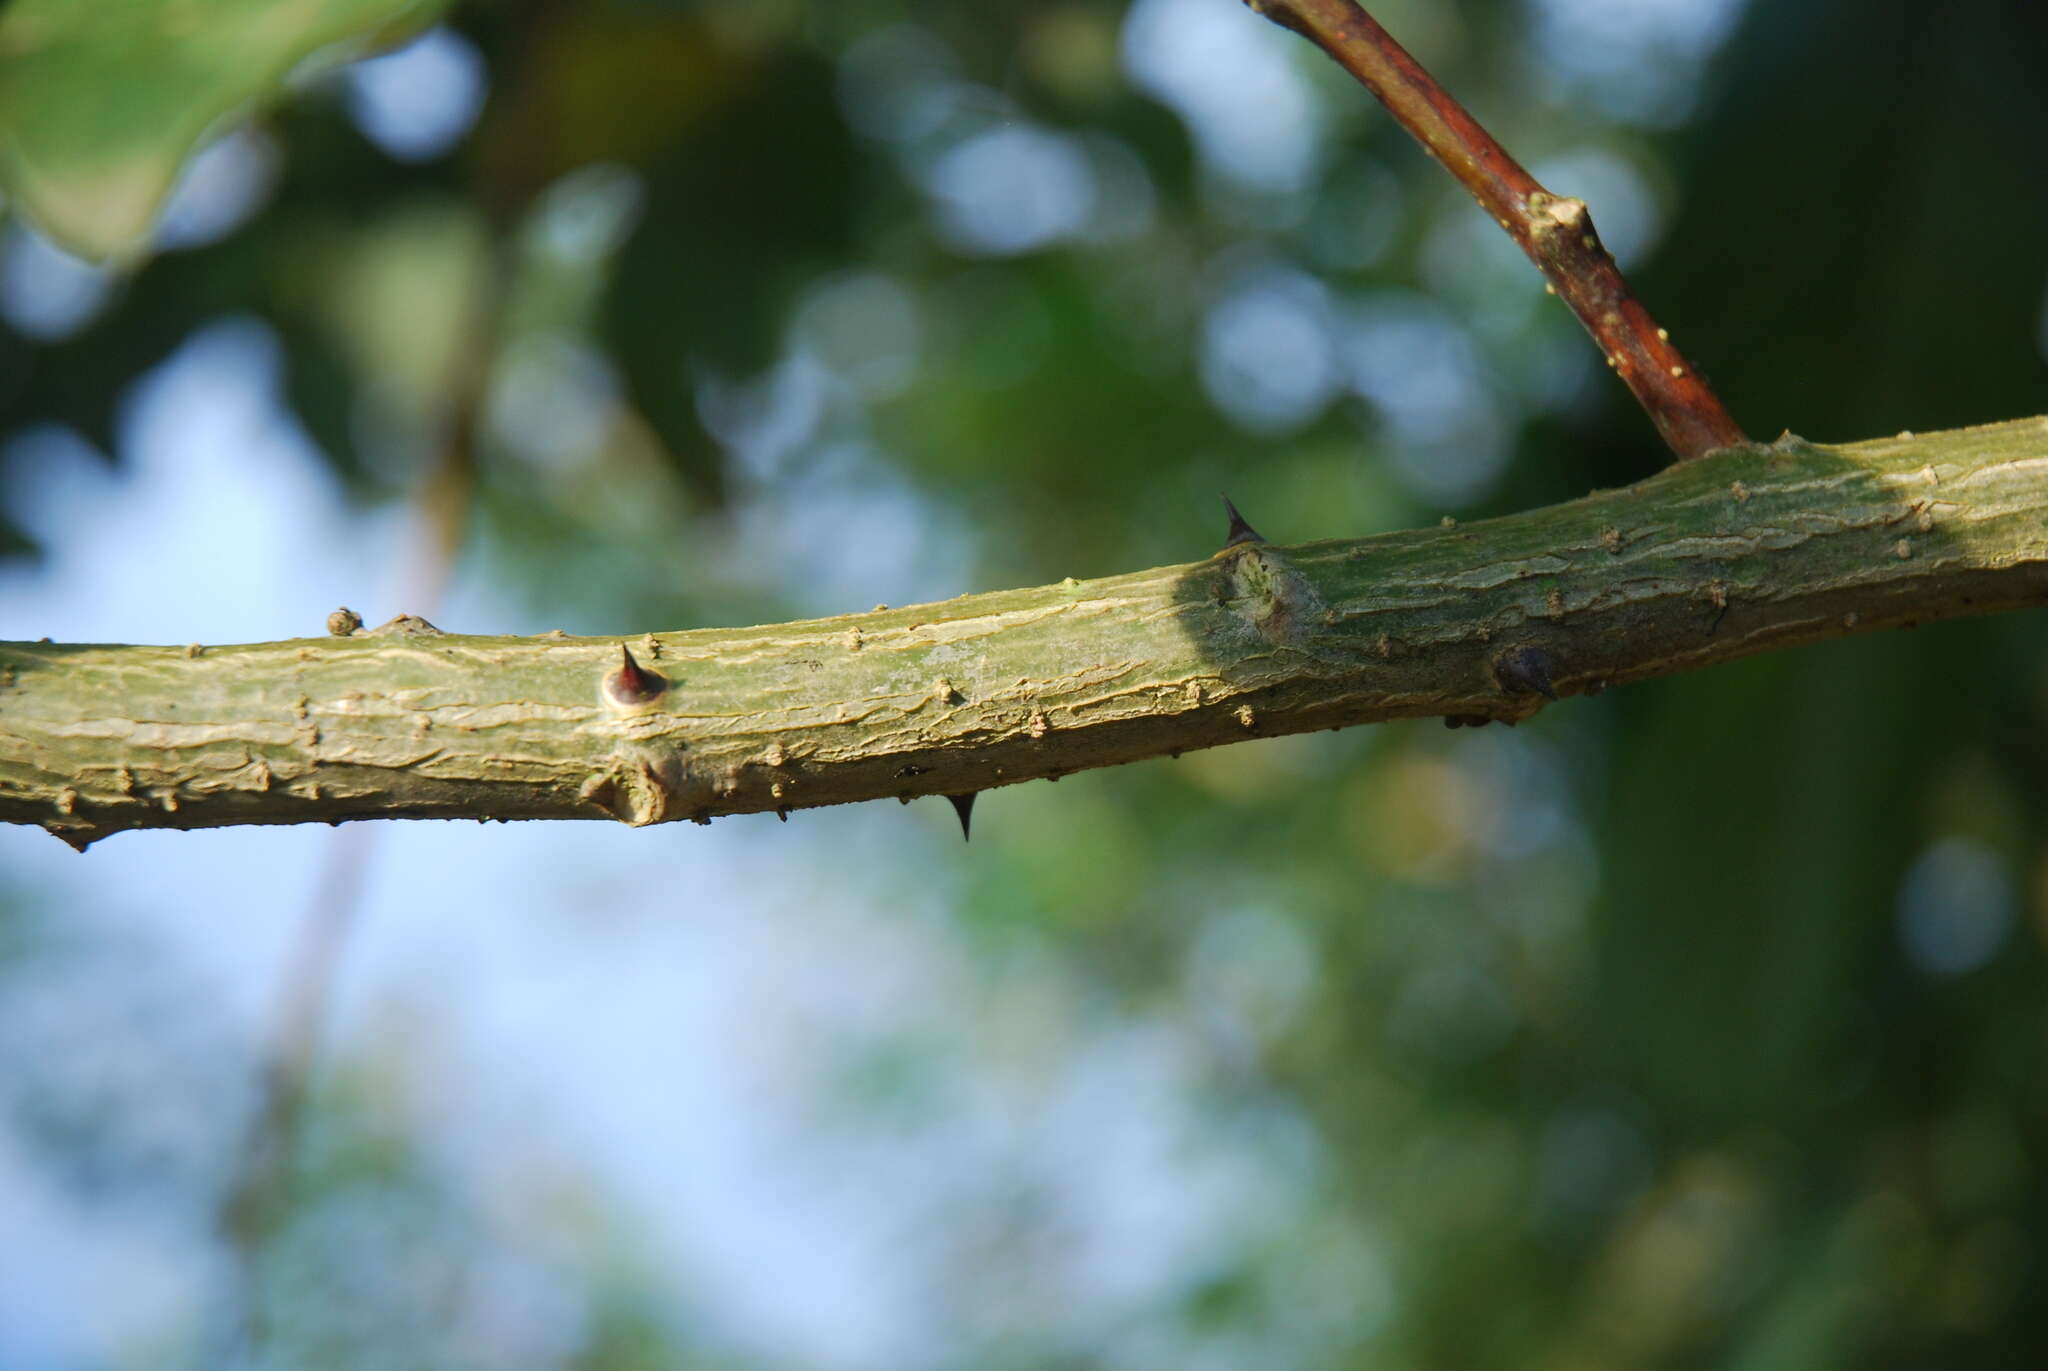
x=1749, y=550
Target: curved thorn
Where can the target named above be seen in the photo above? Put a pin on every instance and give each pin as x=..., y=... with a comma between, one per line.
x=963, y=805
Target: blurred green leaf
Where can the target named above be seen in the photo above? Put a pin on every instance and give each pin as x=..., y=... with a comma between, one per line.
x=101, y=103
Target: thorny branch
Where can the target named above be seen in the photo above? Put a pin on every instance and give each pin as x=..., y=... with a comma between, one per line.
x=1757, y=548
x=1555, y=231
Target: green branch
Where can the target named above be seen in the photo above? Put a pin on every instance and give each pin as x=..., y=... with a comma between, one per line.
x=1752, y=549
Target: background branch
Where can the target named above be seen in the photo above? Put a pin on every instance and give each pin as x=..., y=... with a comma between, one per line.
x=1555, y=231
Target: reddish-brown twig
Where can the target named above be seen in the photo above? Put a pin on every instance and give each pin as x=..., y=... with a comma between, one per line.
x=1554, y=230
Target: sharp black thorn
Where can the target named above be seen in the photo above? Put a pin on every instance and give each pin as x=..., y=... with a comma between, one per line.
x=963, y=805
x=1240, y=531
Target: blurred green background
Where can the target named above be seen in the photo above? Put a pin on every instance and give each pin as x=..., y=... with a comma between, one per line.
x=1699, y=1024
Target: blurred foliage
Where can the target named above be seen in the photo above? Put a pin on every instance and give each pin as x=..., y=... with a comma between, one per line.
x=1695, y=1025
x=101, y=104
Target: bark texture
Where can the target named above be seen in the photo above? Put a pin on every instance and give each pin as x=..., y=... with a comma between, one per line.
x=1748, y=550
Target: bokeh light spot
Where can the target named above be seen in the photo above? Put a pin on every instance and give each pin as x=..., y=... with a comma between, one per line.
x=1956, y=906
x=418, y=102
x=1268, y=359
x=1232, y=77
x=45, y=292
x=1010, y=190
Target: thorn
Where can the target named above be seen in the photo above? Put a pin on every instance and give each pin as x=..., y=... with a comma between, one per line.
x=1240, y=531
x=1525, y=671
x=631, y=678
x=79, y=841
x=782, y=813
x=963, y=805
x=632, y=684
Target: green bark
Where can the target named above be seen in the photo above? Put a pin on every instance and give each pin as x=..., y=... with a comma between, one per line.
x=1748, y=550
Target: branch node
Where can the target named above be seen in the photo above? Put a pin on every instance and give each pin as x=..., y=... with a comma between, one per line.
x=405, y=626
